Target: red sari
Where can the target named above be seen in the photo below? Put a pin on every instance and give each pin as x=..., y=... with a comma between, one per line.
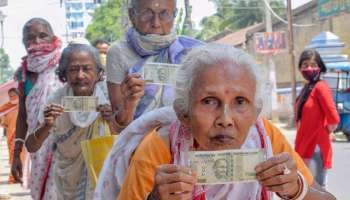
x=319, y=111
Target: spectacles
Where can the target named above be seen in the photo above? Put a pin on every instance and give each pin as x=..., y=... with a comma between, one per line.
x=148, y=15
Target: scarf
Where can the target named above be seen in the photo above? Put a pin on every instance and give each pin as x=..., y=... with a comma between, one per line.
x=116, y=164
x=161, y=49
x=182, y=141
x=41, y=59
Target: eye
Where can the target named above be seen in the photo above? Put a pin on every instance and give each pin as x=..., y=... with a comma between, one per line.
x=241, y=101
x=210, y=101
x=43, y=35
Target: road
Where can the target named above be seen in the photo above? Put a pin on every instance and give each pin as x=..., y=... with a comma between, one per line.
x=338, y=182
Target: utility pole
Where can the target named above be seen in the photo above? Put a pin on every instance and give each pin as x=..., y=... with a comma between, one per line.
x=291, y=51
x=272, y=100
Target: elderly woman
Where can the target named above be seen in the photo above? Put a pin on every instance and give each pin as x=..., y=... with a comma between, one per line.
x=81, y=69
x=217, y=105
x=151, y=39
x=37, y=80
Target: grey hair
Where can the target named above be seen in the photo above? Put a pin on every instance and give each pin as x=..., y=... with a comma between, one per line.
x=209, y=55
x=74, y=48
x=134, y=3
x=33, y=21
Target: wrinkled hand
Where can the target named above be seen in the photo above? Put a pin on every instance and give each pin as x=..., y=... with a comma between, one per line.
x=105, y=111
x=132, y=89
x=271, y=175
x=16, y=169
x=173, y=182
x=51, y=112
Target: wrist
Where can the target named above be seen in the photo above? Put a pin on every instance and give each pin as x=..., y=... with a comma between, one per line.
x=301, y=192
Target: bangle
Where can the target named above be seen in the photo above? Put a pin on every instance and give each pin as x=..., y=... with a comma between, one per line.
x=303, y=189
x=19, y=140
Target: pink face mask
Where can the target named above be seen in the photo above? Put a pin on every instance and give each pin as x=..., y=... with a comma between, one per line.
x=311, y=74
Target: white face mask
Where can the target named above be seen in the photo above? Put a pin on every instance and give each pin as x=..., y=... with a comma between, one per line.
x=14, y=101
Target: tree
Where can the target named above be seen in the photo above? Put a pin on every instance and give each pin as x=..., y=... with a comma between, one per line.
x=236, y=14
x=6, y=72
x=110, y=21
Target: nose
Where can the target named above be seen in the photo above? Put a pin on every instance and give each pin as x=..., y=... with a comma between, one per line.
x=225, y=119
x=81, y=74
x=156, y=20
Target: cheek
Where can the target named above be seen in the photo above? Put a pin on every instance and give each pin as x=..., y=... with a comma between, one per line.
x=201, y=123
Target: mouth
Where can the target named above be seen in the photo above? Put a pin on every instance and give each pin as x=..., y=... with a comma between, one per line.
x=222, y=139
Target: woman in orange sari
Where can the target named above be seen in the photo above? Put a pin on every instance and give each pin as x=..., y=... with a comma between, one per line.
x=8, y=114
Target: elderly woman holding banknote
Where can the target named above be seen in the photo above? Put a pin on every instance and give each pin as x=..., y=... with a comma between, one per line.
x=81, y=70
x=151, y=39
x=216, y=107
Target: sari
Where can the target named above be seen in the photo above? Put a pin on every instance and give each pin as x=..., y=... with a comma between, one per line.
x=68, y=177
x=8, y=113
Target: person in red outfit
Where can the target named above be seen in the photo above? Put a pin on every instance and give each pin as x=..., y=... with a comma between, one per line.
x=316, y=117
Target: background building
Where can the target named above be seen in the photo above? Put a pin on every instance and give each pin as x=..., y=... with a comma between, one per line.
x=78, y=16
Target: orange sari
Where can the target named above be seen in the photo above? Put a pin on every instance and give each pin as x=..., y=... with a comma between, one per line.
x=8, y=113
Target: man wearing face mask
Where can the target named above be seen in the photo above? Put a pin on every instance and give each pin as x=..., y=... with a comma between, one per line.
x=8, y=115
x=102, y=46
x=151, y=39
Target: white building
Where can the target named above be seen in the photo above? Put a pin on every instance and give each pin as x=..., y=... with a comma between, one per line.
x=78, y=16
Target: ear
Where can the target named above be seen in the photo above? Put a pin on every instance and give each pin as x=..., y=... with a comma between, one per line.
x=180, y=113
x=131, y=13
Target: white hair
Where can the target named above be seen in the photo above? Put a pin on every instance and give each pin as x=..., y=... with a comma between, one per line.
x=209, y=55
x=133, y=3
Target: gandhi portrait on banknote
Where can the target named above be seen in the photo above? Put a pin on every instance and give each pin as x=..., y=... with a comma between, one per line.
x=220, y=169
x=163, y=75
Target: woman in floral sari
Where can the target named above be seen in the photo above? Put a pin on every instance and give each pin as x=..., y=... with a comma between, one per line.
x=81, y=70
x=36, y=81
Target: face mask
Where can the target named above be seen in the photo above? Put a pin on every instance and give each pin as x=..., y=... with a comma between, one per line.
x=311, y=74
x=103, y=58
x=14, y=102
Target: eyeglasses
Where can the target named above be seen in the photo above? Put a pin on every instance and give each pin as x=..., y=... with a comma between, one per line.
x=148, y=15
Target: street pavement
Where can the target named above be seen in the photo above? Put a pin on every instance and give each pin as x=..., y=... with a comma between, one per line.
x=338, y=178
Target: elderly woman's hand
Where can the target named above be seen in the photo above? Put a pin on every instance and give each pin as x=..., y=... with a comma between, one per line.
x=51, y=112
x=106, y=111
x=173, y=182
x=132, y=89
x=279, y=174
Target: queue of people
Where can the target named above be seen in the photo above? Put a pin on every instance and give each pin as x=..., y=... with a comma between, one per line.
x=214, y=105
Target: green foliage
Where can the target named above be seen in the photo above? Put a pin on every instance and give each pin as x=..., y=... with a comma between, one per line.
x=107, y=21
x=6, y=72
x=236, y=14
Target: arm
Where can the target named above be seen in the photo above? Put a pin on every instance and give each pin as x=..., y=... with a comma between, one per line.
x=35, y=140
x=21, y=132
x=125, y=97
x=325, y=98
x=283, y=150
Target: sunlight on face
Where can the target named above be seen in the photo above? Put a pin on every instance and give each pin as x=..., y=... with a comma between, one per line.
x=222, y=107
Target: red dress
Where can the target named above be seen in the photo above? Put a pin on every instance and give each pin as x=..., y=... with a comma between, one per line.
x=319, y=111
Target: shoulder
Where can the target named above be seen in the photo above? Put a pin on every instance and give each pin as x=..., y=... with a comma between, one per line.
x=189, y=42
x=321, y=85
x=153, y=149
